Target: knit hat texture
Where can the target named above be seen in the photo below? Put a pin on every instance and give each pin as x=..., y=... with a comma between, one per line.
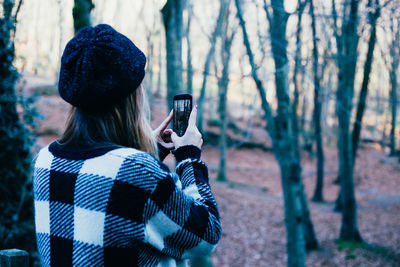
x=100, y=67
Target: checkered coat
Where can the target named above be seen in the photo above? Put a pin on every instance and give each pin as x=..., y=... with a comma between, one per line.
x=118, y=206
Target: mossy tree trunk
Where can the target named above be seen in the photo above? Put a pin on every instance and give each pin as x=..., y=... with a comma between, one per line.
x=16, y=202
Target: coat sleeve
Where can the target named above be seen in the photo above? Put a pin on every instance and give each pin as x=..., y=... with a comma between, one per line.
x=181, y=216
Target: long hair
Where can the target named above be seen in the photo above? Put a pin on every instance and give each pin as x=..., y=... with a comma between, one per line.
x=125, y=123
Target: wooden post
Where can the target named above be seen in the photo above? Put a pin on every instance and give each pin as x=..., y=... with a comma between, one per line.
x=14, y=258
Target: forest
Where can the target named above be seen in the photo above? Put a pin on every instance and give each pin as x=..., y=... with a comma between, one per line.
x=297, y=105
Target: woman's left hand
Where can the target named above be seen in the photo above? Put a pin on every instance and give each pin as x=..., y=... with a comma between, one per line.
x=163, y=135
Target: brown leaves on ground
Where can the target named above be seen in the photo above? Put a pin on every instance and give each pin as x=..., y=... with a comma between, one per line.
x=251, y=204
x=251, y=209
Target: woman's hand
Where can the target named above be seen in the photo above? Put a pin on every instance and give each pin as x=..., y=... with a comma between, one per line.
x=163, y=135
x=192, y=135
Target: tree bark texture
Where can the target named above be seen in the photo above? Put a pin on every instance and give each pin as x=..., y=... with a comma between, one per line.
x=173, y=22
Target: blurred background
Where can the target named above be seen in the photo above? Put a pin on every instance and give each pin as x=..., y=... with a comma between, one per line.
x=298, y=104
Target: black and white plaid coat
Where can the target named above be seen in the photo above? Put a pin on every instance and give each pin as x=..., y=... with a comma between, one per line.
x=118, y=206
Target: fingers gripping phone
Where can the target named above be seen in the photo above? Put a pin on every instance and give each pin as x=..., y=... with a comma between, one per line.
x=182, y=109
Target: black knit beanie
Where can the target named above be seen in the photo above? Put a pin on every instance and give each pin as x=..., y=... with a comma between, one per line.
x=99, y=67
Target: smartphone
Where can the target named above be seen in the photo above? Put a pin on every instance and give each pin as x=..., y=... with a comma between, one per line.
x=182, y=108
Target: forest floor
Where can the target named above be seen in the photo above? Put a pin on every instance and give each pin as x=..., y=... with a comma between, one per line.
x=251, y=203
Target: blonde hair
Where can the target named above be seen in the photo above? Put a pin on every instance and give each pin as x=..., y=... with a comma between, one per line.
x=125, y=123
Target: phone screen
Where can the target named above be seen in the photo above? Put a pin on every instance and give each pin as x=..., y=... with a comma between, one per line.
x=182, y=109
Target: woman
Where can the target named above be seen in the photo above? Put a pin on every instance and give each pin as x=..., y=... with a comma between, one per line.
x=101, y=196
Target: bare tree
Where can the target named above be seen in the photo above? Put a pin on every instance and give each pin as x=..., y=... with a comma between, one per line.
x=373, y=15
x=173, y=22
x=318, y=196
x=223, y=81
x=309, y=234
x=278, y=44
x=297, y=67
x=281, y=130
x=347, y=42
x=210, y=55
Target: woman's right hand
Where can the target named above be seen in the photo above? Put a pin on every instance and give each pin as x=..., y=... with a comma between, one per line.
x=192, y=135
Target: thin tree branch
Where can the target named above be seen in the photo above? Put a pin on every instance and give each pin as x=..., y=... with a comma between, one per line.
x=17, y=11
x=264, y=102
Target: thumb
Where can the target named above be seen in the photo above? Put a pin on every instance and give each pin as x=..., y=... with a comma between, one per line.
x=174, y=137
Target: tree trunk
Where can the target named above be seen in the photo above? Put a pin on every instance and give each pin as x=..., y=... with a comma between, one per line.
x=81, y=14
x=338, y=58
x=222, y=11
x=149, y=71
x=160, y=70
x=306, y=144
x=280, y=129
x=393, y=105
x=222, y=138
x=284, y=134
x=393, y=68
x=373, y=17
x=173, y=22
x=318, y=193
x=189, y=70
x=16, y=216
x=60, y=38
x=309, y=234
x=347, y=59
x=223, y=83
x=297, y=67
x=290, y=175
